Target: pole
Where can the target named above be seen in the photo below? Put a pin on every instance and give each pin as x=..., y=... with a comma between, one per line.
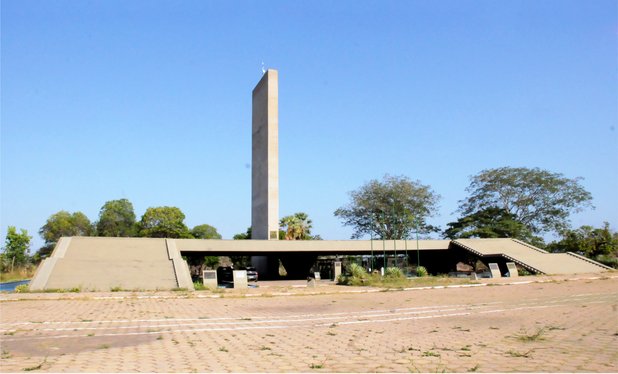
x=394, y=235
x=372, y=260
x=418, y=253
x=383, y=246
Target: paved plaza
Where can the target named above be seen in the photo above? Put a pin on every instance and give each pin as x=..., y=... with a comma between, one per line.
x=543, y=324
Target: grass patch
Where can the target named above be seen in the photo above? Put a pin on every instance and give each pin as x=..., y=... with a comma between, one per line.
x=223, y=349
x=395, y=279
x=316, y=366
x=22, y=288
x=474, y=368
x=430, y=354
x=265, y=348
x=103, y=346
x=39, y=366
x=525, y=337
x=18, y=274
x=513, y=353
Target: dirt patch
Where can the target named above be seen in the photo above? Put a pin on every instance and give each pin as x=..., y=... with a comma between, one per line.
x=58, y=347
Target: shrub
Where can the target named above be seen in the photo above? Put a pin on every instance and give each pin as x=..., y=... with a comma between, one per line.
x=421, y=271
x=393, y=273
x=22, y=288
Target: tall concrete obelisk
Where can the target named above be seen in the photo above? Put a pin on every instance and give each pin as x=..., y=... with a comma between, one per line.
x=265, y=158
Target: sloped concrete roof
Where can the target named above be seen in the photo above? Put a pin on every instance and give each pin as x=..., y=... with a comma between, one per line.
x=530, y=257
x=97, y=263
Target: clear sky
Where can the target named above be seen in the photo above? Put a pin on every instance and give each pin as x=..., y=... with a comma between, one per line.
x=151, y=101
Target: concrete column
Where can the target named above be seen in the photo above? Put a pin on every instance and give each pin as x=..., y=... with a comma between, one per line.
x=265, y=158
x=265, y=169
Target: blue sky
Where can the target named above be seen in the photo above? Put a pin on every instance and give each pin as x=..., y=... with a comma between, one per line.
x=151, y=101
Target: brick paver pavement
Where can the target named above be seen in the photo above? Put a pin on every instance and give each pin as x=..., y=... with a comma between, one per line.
x=550, y=326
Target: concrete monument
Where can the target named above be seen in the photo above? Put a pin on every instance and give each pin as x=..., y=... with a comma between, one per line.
x=265, y=158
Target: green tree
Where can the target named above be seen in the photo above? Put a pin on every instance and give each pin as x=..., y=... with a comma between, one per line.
x=116, y=218
x=205, y=232
x=16, y=249
x=491, y=223
x=296, y=227
x=539, y=199
x=62, y=224
x=392, y=208
x=163, y=222
x=595, y=243
x=243, y=235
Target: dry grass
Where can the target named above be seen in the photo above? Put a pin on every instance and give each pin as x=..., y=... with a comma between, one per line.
x=18, y=274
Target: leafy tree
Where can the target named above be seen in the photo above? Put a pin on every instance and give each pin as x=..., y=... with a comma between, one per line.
x=588, y=241
x=211, y=261
x=491, y=223
x=16, y=248
x=64, y=223
x=205, y=232
x=116, y=218
x=243, y=235
x=539, y=199
x=390, y=209
x=296, y=227
x=163, y=222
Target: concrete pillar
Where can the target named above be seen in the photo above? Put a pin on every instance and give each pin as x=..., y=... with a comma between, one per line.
x=265, y=169
x=265, y=158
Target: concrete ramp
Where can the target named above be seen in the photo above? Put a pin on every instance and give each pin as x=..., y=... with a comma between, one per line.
x=530, y=257
x=103, y=264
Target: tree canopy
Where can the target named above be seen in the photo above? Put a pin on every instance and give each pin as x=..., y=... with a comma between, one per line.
x=243, y=235
x=116, y=218
x=205, y=232
x=390, y=209
x=16, y=248
x=588, y=241
x=296, y=227
x=64, y=223
x=163, y=222
x=491, y=223
x=539, y=199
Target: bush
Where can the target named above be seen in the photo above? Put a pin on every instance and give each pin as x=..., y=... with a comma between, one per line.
x=357, y=276
x=421, y=271
x=357, y=271
x=22, y=288
x=608, y=260
x=393, y=273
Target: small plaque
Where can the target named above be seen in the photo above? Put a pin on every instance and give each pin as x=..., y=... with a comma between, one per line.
x=210, y=275
x=240, y=279
x=316, y=275
x=209, y=278
x=274, y=235
x=495, y=270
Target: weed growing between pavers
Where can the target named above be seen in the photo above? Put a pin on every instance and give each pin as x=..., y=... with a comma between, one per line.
x=525, y=337
x=37, y=367
x=514, y=353
x=474, y=368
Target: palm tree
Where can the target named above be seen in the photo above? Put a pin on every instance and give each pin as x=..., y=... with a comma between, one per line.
x=297, y=226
